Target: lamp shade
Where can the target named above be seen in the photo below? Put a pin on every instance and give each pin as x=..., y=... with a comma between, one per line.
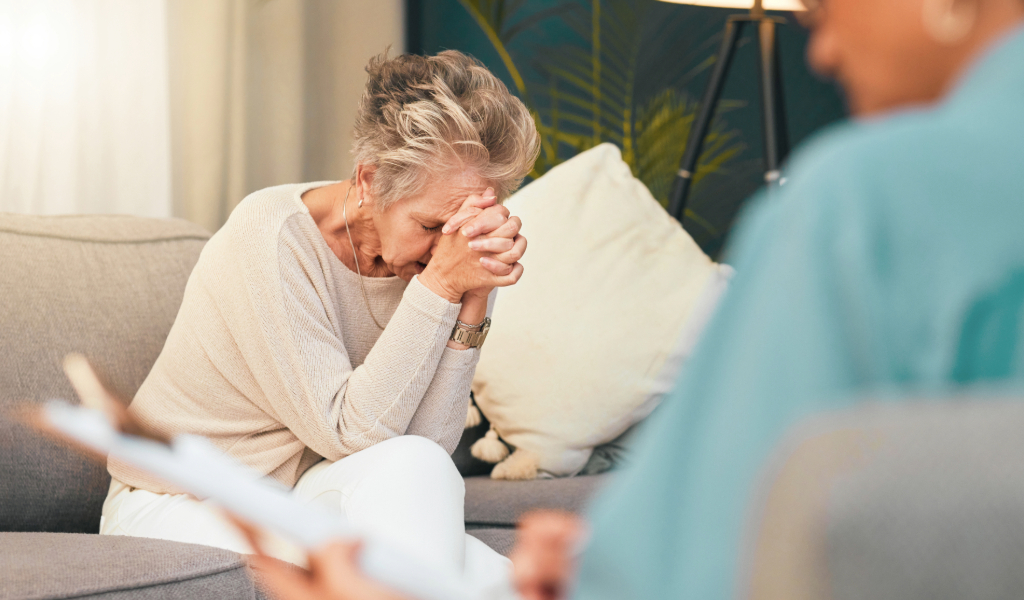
x=746, y=4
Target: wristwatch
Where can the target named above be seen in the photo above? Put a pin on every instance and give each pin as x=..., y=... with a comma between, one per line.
x=471, y=335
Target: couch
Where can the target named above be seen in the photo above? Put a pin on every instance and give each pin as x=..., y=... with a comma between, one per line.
x=110, y=287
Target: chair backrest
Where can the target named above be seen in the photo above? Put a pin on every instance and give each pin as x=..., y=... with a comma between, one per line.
x=916, y=501
x=107, y=286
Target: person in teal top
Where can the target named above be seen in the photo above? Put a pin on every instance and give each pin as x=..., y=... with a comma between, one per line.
x=891, y=261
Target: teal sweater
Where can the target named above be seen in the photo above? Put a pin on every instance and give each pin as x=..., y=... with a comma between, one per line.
x=892, y=261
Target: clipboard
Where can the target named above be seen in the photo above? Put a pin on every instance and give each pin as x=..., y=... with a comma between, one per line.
x=102, y=427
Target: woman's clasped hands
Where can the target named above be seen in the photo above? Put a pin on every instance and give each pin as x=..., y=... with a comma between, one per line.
x=479, y=250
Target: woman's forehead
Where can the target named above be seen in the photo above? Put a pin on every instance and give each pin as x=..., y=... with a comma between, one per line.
x=443, y=196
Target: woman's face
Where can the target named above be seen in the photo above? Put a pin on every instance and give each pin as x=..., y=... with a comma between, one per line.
x=880, y=52
x=410, y=228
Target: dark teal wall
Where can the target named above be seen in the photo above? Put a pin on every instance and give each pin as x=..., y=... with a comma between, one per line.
x=675, y=44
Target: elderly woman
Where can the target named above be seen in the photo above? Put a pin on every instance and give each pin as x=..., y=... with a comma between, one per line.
x=893, y=259
x=329, y=332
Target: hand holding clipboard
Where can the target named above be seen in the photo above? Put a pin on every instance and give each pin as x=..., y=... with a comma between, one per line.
x=102, y=427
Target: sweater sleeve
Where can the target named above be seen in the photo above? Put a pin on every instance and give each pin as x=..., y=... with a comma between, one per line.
x=441, y=415
x=301, y=362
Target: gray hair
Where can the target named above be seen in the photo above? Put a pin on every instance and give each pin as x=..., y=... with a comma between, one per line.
x=423, y=117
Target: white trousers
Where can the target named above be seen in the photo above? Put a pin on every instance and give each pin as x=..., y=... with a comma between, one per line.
x=406, y=489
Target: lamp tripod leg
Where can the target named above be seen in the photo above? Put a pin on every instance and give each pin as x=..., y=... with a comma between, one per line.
x=695, y=140
x=780, y=113
x=773, y=120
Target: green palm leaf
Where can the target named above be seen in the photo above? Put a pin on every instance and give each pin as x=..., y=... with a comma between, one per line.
x=589, y=95
x=663, y=129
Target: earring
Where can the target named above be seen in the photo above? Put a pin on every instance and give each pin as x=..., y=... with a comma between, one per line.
x=360, y=205
x=948, y=22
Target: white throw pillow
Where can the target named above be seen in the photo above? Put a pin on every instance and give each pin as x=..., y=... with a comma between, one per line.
x=585, y=345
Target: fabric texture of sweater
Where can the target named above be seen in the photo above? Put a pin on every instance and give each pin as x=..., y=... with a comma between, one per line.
x=274, y=357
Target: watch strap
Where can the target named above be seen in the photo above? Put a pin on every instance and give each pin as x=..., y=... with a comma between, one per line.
x=471, y=335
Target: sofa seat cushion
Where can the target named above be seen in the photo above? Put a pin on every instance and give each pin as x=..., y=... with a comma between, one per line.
x=500, y=503
x=68, y=565
x=500, y=539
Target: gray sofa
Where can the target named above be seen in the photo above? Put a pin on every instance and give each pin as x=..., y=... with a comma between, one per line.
x=110, y=287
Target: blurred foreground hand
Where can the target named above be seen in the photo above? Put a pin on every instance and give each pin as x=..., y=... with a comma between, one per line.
x=333, y=573
x=544, y=559
x=545, y=554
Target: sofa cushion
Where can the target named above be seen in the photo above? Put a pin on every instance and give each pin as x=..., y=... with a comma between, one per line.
x=63, y=565
x=501, y=539
x=571, y=363
x=495, y=502
x=106, y=286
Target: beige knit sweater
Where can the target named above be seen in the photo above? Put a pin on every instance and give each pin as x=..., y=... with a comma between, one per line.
x=274, y=357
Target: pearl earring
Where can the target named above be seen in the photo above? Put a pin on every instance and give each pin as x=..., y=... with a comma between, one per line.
x=949, y=22
x=360, y=205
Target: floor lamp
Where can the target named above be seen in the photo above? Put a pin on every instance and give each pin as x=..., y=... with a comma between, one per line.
x=773, y=118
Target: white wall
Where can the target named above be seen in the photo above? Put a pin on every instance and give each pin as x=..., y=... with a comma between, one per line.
x=84, y=122
x=159, y=107
x=264, y=92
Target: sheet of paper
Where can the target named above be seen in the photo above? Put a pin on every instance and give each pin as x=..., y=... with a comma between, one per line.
x=192, y=463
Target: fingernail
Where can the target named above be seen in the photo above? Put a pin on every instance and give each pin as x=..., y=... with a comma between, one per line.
x=489, y=193
x=474, y=245
x=468, y=232
x=445, y=229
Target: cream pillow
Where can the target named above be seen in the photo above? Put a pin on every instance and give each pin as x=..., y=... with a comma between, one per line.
x=589, y=340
